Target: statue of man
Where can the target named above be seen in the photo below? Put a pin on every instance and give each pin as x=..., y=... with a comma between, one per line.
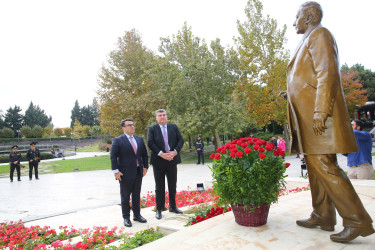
x=320, y=127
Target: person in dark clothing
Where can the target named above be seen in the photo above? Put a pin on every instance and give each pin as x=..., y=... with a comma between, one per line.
x=33, y=156
x=199, y=145
x=208, y=140
x=274, y=141
x=14, y=159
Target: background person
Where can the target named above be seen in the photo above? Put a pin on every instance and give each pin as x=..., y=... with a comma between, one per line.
x=360, y=163
x=165, y=141
x=33, y=156
x=15, y=159
x=129, y=162
x=199, y=145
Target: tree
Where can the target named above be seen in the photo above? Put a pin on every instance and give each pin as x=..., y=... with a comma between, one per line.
x=34, y=115
x=2, y=123
x=7, y=133
x=263, y=62
x=13, y=118
x=37, y=131
x=126, y=88
x=366, y=78
x=86, y=130
x=77, y=130
x=353, y=89
x=48, y=131
x=58, y=132
x=200, y=83
x=26, y=132
x=68, y=132
x=76, y=114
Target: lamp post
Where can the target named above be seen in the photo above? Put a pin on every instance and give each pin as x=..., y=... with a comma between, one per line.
x=18, y=135
x=73, y=141
x=91, y=133
x=97, y=131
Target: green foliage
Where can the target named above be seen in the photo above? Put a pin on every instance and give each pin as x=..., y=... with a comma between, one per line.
x=263, y=62
x=86, y=130
x=245, y=178
x=198, y=84
x=26, y=131
x=128, y=86
x=76, y=114
x=365, y=76
x=34, y=115
x=7, y=133
x=37, y=131
x=43, y=156
x=68, y=132
x=58, y=132
x=139, y=239
x=262, y=135
x=13, y=118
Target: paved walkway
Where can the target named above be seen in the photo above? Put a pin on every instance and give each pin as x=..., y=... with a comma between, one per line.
x=64, y=193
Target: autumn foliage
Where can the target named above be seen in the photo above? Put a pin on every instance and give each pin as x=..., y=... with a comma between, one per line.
x=353, y=89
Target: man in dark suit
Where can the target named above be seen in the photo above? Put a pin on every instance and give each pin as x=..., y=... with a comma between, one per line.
x=129, y=162
x=165, y=142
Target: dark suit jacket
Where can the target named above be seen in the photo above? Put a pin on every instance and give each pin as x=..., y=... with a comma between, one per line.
x=155, y=142
x=124, y=159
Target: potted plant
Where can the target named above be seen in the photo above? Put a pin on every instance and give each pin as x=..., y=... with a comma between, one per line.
x=249, y=174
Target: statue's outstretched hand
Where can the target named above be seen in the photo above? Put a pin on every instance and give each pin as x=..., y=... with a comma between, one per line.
x=319, y=123
x=283, y=94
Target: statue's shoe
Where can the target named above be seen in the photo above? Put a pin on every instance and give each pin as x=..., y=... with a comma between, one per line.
x=350, y=233
x=312, y=222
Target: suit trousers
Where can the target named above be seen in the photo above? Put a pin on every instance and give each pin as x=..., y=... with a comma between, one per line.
x=33, y=164
x=330, y=189
x=131, y=187
x=200, y=155
x=162, y=169
x=15, y=167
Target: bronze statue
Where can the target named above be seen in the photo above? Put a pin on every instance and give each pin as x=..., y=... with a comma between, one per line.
x=320, y=127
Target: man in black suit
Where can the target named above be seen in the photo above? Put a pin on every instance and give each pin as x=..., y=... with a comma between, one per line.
x=129, y=162
x=165, y=142
x=33, y=156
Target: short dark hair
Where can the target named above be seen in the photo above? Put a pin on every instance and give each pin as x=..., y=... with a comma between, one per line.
x=126, y=120
x=160, y=111
x=359, y=124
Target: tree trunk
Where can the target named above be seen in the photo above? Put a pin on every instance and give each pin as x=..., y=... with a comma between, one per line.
x=217, y=140
x=286, y=134
x=145, y=131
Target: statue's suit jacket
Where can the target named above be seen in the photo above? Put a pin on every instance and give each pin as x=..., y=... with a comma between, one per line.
x=314, y=85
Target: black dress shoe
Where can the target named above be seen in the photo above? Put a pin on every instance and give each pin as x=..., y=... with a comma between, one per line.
x=158, y=214
x=140, y=219
x=127, y=223
x=314, y=222
x=350, y=233
x=175, y=210
x=37, y=178
x=19, y=180
x=11, y=180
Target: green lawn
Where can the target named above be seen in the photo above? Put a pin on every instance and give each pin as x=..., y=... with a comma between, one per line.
x=91, y=148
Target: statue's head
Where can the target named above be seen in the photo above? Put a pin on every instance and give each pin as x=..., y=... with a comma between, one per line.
x=309, y=14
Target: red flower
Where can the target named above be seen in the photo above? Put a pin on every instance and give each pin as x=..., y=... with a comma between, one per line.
x=247, y=150
x=256, y=147
x=217, y=157
x=250, y=142
x=270, y=145
x=232, y=146
x=287, y=165
x=212, y=156
x=218, y=150
x=262, y=156
x=224, y=151
x=244, y=145
x=234, y=150
x=232, y=154
x=239, y=154
x=275, y=153
x=261, y=150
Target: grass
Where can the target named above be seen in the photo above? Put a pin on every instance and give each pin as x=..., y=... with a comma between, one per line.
x=90, y=148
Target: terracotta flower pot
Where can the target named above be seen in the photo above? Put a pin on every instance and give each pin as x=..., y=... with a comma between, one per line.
x=251, y=216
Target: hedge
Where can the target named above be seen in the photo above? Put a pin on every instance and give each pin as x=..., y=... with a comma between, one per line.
x=43, y=156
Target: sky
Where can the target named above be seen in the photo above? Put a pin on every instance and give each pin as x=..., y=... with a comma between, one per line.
x=51, y=51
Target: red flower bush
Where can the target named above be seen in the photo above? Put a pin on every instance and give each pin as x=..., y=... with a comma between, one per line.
x=251, y=173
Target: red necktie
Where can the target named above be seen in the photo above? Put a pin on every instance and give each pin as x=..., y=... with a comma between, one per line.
x=134, y=148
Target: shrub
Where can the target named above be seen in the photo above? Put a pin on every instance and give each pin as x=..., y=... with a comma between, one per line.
x=37, y=131
x=58, y=132
x=43, y=156
x=68, y=132
x=7, y=133
x=26, y=132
